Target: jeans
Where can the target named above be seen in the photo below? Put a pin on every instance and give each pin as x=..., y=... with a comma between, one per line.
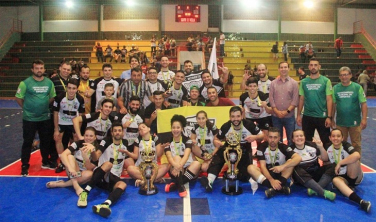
x=288, y=123
x=45, y=130
x=222, y=49
x=339, y=51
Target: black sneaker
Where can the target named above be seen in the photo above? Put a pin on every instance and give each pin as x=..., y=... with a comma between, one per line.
x=60, y=168
x=270, y=192
x=53, y=165
x=286, y=190
x=365, y=205
x=24, y=170
x=205, y=183
x=47, y=166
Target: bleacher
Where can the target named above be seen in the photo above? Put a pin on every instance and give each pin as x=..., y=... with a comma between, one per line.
x=15, y=66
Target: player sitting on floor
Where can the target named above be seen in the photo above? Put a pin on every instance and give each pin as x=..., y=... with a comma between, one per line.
x=347, y=169
x=178, y=151
x=277, y=161
x=77, y=161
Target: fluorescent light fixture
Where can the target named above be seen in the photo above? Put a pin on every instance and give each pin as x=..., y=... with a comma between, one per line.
x=69, y=4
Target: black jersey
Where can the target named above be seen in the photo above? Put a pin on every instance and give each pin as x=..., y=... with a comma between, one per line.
x=68, y=109
x=309, y=154
x=274, y=157
x=248, y=128
x=336, y=155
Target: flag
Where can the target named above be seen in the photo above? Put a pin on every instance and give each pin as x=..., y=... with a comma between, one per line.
x=212, y=65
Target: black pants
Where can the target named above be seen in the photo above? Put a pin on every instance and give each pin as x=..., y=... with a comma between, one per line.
x=301, y=175
x=44, y=129
x=309, y=124
x=218, y=161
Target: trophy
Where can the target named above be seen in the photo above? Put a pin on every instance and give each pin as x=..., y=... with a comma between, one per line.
x=232, y=155
x=148, y=171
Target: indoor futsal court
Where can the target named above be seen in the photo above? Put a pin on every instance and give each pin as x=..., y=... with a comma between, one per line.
x=28, y=199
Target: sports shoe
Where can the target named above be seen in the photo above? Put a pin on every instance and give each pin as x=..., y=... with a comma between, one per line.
x=47, y=166
x=170, y=187
x=205, y=183
x=365, y=205
x=182, y=191
x=24, y=170
x=102, y=209
x=286, y=190
x=329, y=195
x=311, y=192
x=270, y=192
x=60, y=168
x=82, y=199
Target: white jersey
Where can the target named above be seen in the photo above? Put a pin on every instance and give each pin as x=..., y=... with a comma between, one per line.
x=111, y=154
x=146, y=144
x=75, y=149
x=68, y=109
x=166, y=76
x=131, y=132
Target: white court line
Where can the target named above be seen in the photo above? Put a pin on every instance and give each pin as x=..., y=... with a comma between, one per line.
x=17, y=161
x=187, y=214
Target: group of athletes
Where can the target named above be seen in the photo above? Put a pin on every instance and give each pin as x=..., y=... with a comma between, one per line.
x=111, y=140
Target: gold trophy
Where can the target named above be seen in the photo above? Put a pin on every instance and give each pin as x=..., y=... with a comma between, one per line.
x=148, y=169
x=232, y=156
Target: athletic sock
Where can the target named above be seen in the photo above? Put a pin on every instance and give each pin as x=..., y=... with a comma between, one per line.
x=107, y=202
x=261, y=179
x=314, y=186
x=325, y=180
x=211, y=178
x=266, y=183
x=188, y=175
x=354, y=197
x=115, y=195
x=283, y=181
x=97, y=176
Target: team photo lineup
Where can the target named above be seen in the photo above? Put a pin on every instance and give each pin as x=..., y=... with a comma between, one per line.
x=283, y=133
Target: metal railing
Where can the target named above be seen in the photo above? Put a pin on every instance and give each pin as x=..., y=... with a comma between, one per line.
x=16, y=27
x=358, y=28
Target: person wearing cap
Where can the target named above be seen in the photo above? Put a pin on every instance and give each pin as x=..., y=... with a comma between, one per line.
x=194, y=98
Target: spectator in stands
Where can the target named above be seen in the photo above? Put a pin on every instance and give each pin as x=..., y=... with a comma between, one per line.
x=134, y=62
x=230, y=83
x=108, y=53
x=173, y=47
x=275, y=51
x=161, y=47
x=309, y=45
x=84, y=87
x=209, y=44
x=350, y=104
x=338, y=44
x=222, y=44
x=144, y=58
x=302, y=53
x=167, y=47
x=117, y=54
x=363, y=80
x=36, y=115
x=133, y=52
x=189, y=44
x=316, y=96
x=283, y=98
x=301, y=73
x=310, y=53
x=214, y=100
x=153, y=46
x=285, y=50
x=99, y=52
x=124, y=52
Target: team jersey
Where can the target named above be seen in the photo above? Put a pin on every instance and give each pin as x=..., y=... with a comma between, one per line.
x=100, y=125
x=274, y=157
x=336, y=155
x=146, y=146
x=192, y=79
x=68, y=109
x=36, y=97
x=131, y=132
x=315, y=92
x=348, y=100
x=99, y=103
x=177, y=96
x=75, y=147
x=205, y=137
x=128, y=89
x=216, y=84
x=98, y=86
x=178, y=148
x=247, y=128
x=252, y=107
x=264, y=86
x=152, y=87
x=166, y=76
x=111, y=154
x=309, y=154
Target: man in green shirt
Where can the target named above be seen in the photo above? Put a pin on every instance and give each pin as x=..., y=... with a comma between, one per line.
x=34, y=95
x=351, y=106
x=315, y=94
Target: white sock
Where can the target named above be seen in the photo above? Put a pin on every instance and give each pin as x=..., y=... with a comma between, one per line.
x=211, y=177
x=261, y=179
x=108, y=202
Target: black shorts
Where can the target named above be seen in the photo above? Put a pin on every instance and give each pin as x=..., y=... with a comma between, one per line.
x=263, y=123
x=348, y=180
x=112, y=180
x=66, y=128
